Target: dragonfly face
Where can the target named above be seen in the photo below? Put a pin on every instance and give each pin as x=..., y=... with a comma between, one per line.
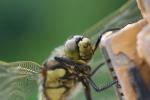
x=79, y=48
x=57, y=78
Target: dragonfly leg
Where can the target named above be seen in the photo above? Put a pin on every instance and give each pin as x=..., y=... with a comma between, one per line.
x=98, y=67
x=87, y=90
x=97, y=89
x=100, y=36
x=69, y=62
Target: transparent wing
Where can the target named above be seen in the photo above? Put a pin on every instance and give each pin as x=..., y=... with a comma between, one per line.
x=128, y=13
x=18, y=80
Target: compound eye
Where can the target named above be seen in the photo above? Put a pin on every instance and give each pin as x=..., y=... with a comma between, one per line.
x=70, y=45
x=78, y=38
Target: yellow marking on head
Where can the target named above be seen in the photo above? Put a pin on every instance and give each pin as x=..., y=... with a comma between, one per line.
x=72, y=54
x=85, y=49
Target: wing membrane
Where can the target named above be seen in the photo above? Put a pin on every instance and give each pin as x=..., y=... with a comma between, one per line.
x=18, y=79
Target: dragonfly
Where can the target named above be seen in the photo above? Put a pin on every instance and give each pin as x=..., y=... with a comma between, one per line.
x=58, y=77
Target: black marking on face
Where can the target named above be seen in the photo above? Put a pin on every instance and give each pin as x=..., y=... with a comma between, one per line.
x=78, y=38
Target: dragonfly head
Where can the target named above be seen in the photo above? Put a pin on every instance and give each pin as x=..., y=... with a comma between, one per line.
x=79, y=48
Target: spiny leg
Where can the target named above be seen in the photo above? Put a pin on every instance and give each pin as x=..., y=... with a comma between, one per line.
x=92, y=83
x=87, y=90
x=64, y=61
x=69, y=62
x=98, y=67
x=97, y=89
x=100, y=37
x=89, y=80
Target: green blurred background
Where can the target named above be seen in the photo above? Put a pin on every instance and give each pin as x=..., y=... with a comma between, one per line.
x=31, y=29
